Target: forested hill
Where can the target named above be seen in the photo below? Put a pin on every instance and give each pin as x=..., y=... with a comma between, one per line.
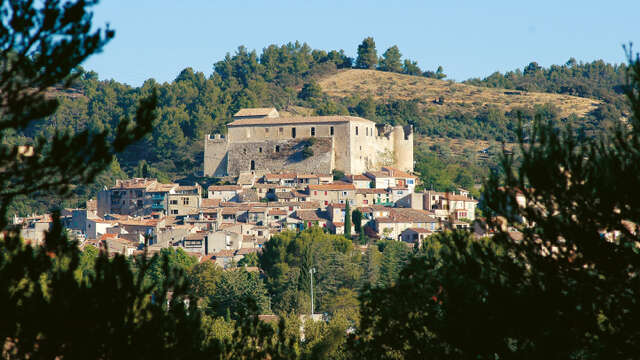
x=294, y=76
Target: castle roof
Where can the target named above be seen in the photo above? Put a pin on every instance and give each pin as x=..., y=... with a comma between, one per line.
x=256, y=112
x=296, y=120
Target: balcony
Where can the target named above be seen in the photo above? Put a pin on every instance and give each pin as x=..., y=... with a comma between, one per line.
x=157, y=196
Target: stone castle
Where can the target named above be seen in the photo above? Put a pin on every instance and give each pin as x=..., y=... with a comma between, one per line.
x=259, y=140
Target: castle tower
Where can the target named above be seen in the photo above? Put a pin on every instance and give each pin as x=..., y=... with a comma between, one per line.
x=403, y=147
x=215, y=155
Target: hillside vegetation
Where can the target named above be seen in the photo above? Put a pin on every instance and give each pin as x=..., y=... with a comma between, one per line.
x=442, y=97
x=299, y=80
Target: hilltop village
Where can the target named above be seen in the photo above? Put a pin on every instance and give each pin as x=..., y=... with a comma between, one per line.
x=278, y=173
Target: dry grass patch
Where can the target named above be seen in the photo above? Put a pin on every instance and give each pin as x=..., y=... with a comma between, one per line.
x=392, y=86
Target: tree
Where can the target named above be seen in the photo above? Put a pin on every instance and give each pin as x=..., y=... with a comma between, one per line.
x=239, y=292
x=367, y=54
x=391, y=60
x=411, y=68
x=310, y=90
x=356, y=217
x=111, y=312
x=347, y=220
x=564, y=285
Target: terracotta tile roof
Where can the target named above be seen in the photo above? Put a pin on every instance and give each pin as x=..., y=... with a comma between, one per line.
x=405, y=215
x=377, y=174
x=297, y=120
x=147, y=222
x=308, y=215
x=280, y=176
x=277, y=212
x=453, y=197
x=162, y=187
x=419, y=230
x=254, y=112
x=135, y=183
x=332, y=187
x=230, y=210
x=398, y=173
x=308, y=176
x=358, y=177
x=196, y=236
x=210, y=203
x=284, y=195
x=224, y=187
x=223, y=253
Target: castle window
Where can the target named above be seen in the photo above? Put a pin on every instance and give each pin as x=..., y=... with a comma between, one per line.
x=356, y=130
x=331, y=129
x=277, y=148
x=293, y=133
x=366, y=130
x=259, y=149
x=253, y=165
x=244, y=151
x=313, y=131
x=406, y=135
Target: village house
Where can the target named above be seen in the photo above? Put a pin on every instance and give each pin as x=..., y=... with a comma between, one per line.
x=332, y=193
x=415, y=236
x=400, y=219
x=224, y=192
x=184, y=200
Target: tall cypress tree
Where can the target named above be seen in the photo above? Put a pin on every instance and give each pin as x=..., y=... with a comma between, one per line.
x=347, y=221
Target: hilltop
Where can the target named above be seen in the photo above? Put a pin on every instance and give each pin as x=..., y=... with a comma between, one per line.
x=427, y=91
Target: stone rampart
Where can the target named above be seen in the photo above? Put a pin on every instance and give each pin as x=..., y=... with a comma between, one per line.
x=278, y=156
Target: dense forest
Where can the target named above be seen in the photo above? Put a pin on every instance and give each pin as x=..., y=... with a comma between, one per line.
x=285, y=76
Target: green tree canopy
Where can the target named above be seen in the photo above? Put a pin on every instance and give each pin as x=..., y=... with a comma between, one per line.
x=367, y=54
x=391, y=60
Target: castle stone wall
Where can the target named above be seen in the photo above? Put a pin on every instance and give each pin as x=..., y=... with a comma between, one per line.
x=289, y=156
x=215, y=156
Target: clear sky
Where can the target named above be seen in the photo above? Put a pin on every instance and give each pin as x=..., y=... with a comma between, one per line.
x=158, y=38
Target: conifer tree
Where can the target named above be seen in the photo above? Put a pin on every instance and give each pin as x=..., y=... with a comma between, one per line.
x=391, y=60
x=347, y=220
x=564, y=286
x=367, y=54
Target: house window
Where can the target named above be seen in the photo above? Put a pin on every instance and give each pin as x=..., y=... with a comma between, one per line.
x=313, y=131
x=315, y=193
x=344, y=193
x=293, y=132
x=266, y=130
x=277, y=148
x=365, y=201
x=366, y=130
x=331, y=130
x=174, y=212
x=185, y=201
x=281, y=131
x=356, y=130
x=173, y=202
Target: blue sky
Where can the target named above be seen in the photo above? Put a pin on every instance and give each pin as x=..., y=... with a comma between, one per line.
x=158, y=38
